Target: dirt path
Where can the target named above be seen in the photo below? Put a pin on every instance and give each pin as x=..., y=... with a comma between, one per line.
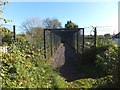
x=59, y=59
x=66, y=60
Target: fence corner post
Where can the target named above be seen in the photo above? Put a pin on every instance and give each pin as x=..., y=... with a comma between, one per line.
x=44, y=45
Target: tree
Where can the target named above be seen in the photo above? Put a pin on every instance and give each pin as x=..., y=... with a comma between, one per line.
x=70, y=24
x=51, y=23
x=3, y=3
x=37, y=36
x=35, y=28
x=107, y=36
x=35, y=22
x=30, y=24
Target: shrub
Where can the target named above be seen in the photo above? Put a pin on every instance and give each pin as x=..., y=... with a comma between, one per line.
x=108, y=60
x=116, y=74
x=7, y=35
x=22, y=67
x=7, y=39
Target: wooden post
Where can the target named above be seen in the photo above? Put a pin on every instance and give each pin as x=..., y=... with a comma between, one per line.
x=14, y=33
x=44, y=45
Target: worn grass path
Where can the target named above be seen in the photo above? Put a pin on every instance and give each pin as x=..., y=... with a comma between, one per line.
x=67, y=63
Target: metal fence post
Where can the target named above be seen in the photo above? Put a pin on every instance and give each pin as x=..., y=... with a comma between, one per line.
x=44, y=45
x=77, y=42
x=83, y=42
x=51, y=43
x=14, y=28
x=95, y=35
x=83, y=47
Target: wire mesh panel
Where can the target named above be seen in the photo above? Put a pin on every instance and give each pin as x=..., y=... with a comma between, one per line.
x=72, y=37
x=74, y=42
x=102, y=30
x=48, y=43
x=104, y=33
x=75, y=39
x=89, y=38
x=52, y=42
x=81, y=41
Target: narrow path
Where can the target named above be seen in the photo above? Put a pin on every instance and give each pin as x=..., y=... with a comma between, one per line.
x=66, y=61
x=59, y=58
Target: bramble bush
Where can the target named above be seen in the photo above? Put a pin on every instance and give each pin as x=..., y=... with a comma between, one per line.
x=108, y=59
x=22, y=67
x=7, y=36
x=116, y=74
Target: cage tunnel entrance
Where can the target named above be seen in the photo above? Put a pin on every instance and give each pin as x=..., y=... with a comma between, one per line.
x=54, y=37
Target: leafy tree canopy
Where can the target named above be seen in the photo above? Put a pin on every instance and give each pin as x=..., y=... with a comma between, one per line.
x=34, y=23
x=30, y=24
x=51, y=23
x=70, y=24
x=3, y=3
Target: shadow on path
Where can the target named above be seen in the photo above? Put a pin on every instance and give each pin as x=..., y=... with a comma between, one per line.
x=66, y=61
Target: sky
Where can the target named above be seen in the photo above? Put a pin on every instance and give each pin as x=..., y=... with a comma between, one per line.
x=104, y=15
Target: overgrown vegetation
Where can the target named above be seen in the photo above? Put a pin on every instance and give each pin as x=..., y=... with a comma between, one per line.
x=25, y=67
x=109, y=60
x=70, y=24
x=7, y=36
